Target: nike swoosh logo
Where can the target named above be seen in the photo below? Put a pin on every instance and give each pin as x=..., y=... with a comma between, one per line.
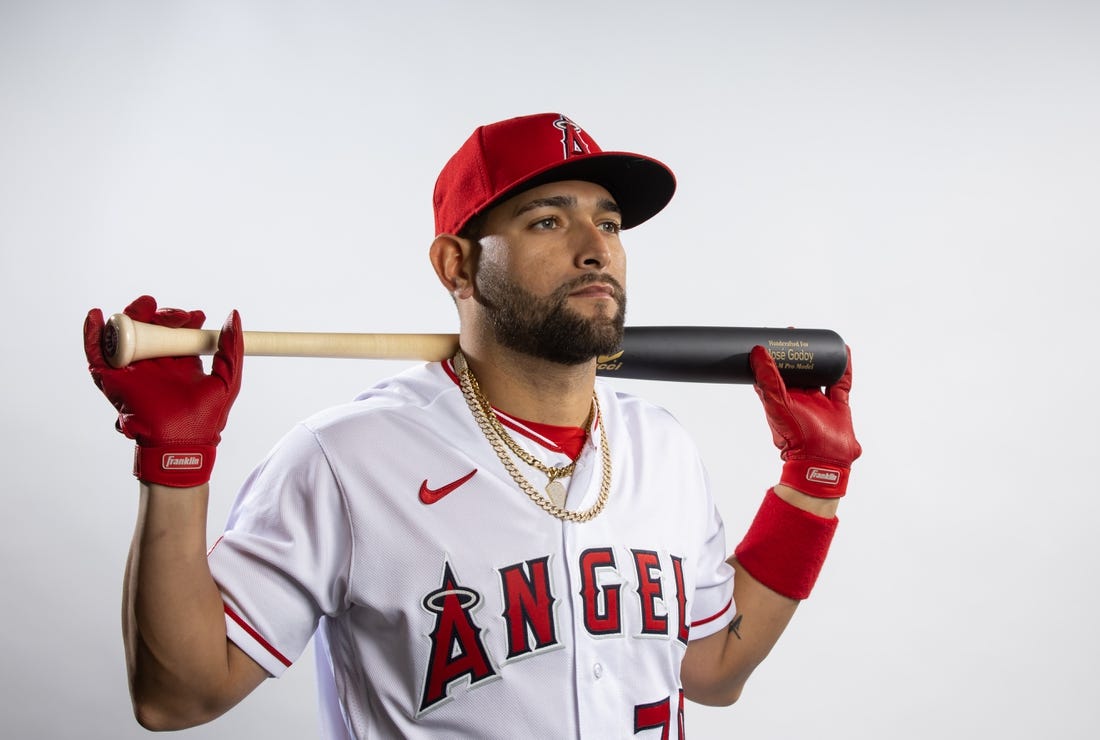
x=430, y=496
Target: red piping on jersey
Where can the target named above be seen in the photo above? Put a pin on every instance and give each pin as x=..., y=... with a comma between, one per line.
x=449, y=369
x=256, y=636
x=711, y=618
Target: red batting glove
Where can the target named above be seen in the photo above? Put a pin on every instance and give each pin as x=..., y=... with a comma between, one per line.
x=813, y=430
x=169, y=406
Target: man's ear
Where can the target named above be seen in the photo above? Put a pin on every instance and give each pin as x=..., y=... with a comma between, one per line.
x=453, y=259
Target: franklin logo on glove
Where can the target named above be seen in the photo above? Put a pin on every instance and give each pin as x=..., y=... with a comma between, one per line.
x=825, y=476
x=181, y=462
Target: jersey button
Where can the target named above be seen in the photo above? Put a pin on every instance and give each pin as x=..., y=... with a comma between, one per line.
x=597, y=671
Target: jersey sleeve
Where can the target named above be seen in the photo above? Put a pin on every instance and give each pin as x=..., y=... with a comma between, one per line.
x=284, y=559
x=712, y=608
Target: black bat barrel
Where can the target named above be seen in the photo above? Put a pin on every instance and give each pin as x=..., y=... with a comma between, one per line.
x=806, y=358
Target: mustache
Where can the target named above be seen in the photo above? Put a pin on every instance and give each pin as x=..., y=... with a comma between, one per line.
x=617, y=289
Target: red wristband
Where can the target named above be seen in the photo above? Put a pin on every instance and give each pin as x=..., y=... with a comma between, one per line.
x=785, y=547
x=178, y=467
x=815, y=478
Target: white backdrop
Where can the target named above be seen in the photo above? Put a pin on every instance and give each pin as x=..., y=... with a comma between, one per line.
x=920, y=176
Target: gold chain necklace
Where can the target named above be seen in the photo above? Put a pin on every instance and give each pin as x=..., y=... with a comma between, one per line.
x=552, y=472
x=499, y=439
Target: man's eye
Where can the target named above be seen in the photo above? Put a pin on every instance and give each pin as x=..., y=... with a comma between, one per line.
x=611, y=227
x=545, y=223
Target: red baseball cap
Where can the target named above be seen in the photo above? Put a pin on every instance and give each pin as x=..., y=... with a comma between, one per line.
x=502, y=159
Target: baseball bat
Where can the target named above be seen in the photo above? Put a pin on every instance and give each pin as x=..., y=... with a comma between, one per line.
x=806, y=358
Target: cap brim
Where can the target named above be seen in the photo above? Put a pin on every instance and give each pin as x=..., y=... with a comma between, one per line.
x=641, y=186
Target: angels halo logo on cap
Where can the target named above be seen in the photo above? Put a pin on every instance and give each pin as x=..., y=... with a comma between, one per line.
x=502, y=159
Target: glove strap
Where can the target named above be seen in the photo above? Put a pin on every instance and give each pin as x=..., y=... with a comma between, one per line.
x=815, y=478
x=177, y=466
x=785, y=547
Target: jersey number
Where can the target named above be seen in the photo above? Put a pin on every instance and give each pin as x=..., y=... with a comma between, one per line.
x=659, y=715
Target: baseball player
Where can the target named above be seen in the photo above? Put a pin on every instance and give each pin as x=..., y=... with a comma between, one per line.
x=497, y=545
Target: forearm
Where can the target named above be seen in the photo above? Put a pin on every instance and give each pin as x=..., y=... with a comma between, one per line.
x=173, y=620
x=717, y=667
x=715, y=671
x=825, y=508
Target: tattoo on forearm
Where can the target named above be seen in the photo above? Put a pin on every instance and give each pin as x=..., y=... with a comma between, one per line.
x=735, y=626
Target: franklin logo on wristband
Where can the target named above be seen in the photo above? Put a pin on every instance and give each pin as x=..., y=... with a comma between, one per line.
x=825, y=476
x=170, y=461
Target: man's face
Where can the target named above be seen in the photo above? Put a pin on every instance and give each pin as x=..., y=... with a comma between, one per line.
x=551, y=272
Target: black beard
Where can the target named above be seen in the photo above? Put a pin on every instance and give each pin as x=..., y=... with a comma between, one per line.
x=546, y=327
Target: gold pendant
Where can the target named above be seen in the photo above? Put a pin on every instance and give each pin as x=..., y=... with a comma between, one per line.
x=555, y=491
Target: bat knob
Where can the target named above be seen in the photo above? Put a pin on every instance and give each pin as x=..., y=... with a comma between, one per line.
x=117, y=342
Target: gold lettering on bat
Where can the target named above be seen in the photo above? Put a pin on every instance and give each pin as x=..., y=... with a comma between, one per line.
x=607, y=362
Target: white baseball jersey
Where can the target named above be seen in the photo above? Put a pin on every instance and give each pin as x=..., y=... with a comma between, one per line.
x=445, y=602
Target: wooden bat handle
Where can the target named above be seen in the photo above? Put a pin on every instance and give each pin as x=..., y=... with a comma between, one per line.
x=807, y=358
x=126, y=341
